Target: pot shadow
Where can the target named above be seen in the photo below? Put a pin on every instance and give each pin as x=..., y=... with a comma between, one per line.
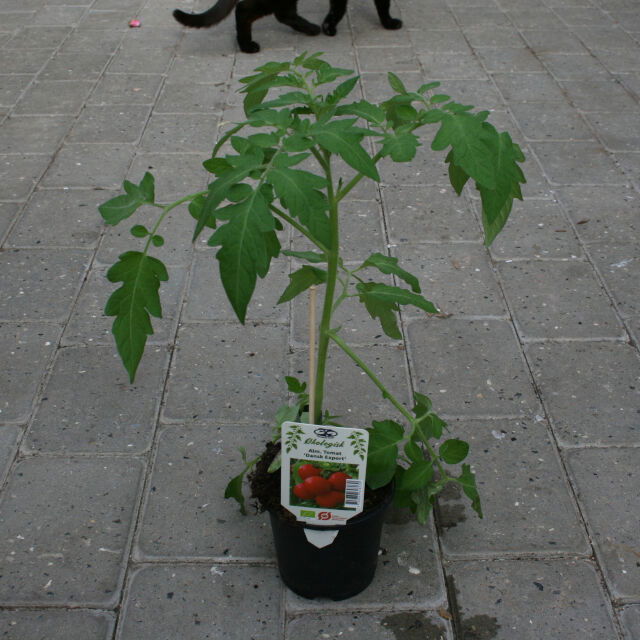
x=413, y=626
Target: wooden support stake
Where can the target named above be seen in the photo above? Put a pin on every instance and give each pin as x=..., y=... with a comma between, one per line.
x=312, y=353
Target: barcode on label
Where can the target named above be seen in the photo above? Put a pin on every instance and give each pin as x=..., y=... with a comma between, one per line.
x=352, y=491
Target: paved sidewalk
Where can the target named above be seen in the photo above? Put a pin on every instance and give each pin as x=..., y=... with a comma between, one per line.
x=112, y=522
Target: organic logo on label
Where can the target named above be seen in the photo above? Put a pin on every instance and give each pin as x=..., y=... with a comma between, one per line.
x=307, y=514
x=324, y=515
x=324, y=432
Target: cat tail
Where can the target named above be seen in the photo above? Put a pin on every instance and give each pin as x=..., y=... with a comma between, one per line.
x=212, y=16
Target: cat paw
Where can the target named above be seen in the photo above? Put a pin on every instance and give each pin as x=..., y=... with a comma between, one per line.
x=251, y=47
x=329, y=29
x=392, y=23
x=312, y=30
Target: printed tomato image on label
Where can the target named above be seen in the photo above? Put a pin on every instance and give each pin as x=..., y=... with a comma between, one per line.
x=323, y=467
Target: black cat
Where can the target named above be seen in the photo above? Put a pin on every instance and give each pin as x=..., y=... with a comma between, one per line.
x=284, y=10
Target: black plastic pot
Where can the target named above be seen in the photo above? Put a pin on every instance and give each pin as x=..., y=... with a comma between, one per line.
x=338, y=571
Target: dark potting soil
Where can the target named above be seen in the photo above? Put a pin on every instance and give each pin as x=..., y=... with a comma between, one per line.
x=265, y=486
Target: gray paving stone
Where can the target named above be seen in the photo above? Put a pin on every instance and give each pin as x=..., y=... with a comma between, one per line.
x=25, y=61
x=525, y=495
x=34, y=134
x=601, y=474
x=529, y=600
x=536, y=229
x=227, y=373
x=147, y=51
x=528, y=87
x=78, y=165
x=8, y=214
x=607, y=94
x=617, y=130
x=457, y=278
x=201, y=69
x=39, y=37
x=428, y=169
x=442, y=66
x=349, y=393
x=602, y=213
x=558, y=299
x=630, y=165
x=58, y=15
x=19, y=173
x=361, y=230
x=25, y=351
x=186, y=515
x=376, y=84
x=620, y=60
x=428, y=214
x=590, y=390
x=553, y=41
x=364, y=626
x=408, y=575
x=487, y=35
x=577, y=163
x=111, y=123
x=479, y=15
x=445, y=354
x=619, y=266
x=89, y=325
x=433, y=40
x=105, y=19
x=92, y=40
x=9, y=438
x=509, y=60
x=554, y=121
x=631, y=622
x=573, y=66
x=125, y=88
x=68, y=66
x=54, y=97
x=59, y=624
x=59, y=218
x=185, y=132
x=12, y=87
x=40, y=284
x=207, y=300
x=88, y=405
x=191, y=98
x=75, y=554
x=184, y=602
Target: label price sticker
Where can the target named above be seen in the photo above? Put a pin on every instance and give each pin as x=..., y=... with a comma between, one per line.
x=323, y=472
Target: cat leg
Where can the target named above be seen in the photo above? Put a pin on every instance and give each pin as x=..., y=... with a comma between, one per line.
x=383, y=12
x=336, y=13
x=247, y=11
x=293, y=20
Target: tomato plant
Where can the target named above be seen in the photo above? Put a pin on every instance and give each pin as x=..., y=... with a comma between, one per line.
x=262, y=183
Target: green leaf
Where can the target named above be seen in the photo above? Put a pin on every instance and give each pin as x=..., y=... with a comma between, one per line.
x=423, y=502
x=389, y=265
x=395, y=82
x=497, y=201
x=468, y=482
x=309, y=256
x=413, y=451
x=472, y=146
x=342, y=90
x=457, y=176
x=363, y=109
x=247, y=244
x=301, y=280
x=298, y=191
x=157, y=240
x=294, y=385
x=121, y=207
x=453, y=451
x=383, y=452
x=133, y=303
x=219, y=189
x=383, y=310
x=394, y=295
x=427, y=87
x=430, y=427
x=217, y=166
x=139, y=231
x=417, y=476
x=401, y=147
x=234, y=490
x=339, y=136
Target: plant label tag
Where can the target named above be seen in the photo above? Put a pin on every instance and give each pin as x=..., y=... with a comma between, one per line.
x=323, y=472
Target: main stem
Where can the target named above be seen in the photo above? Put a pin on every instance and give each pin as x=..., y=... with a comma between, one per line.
x=329, y=293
